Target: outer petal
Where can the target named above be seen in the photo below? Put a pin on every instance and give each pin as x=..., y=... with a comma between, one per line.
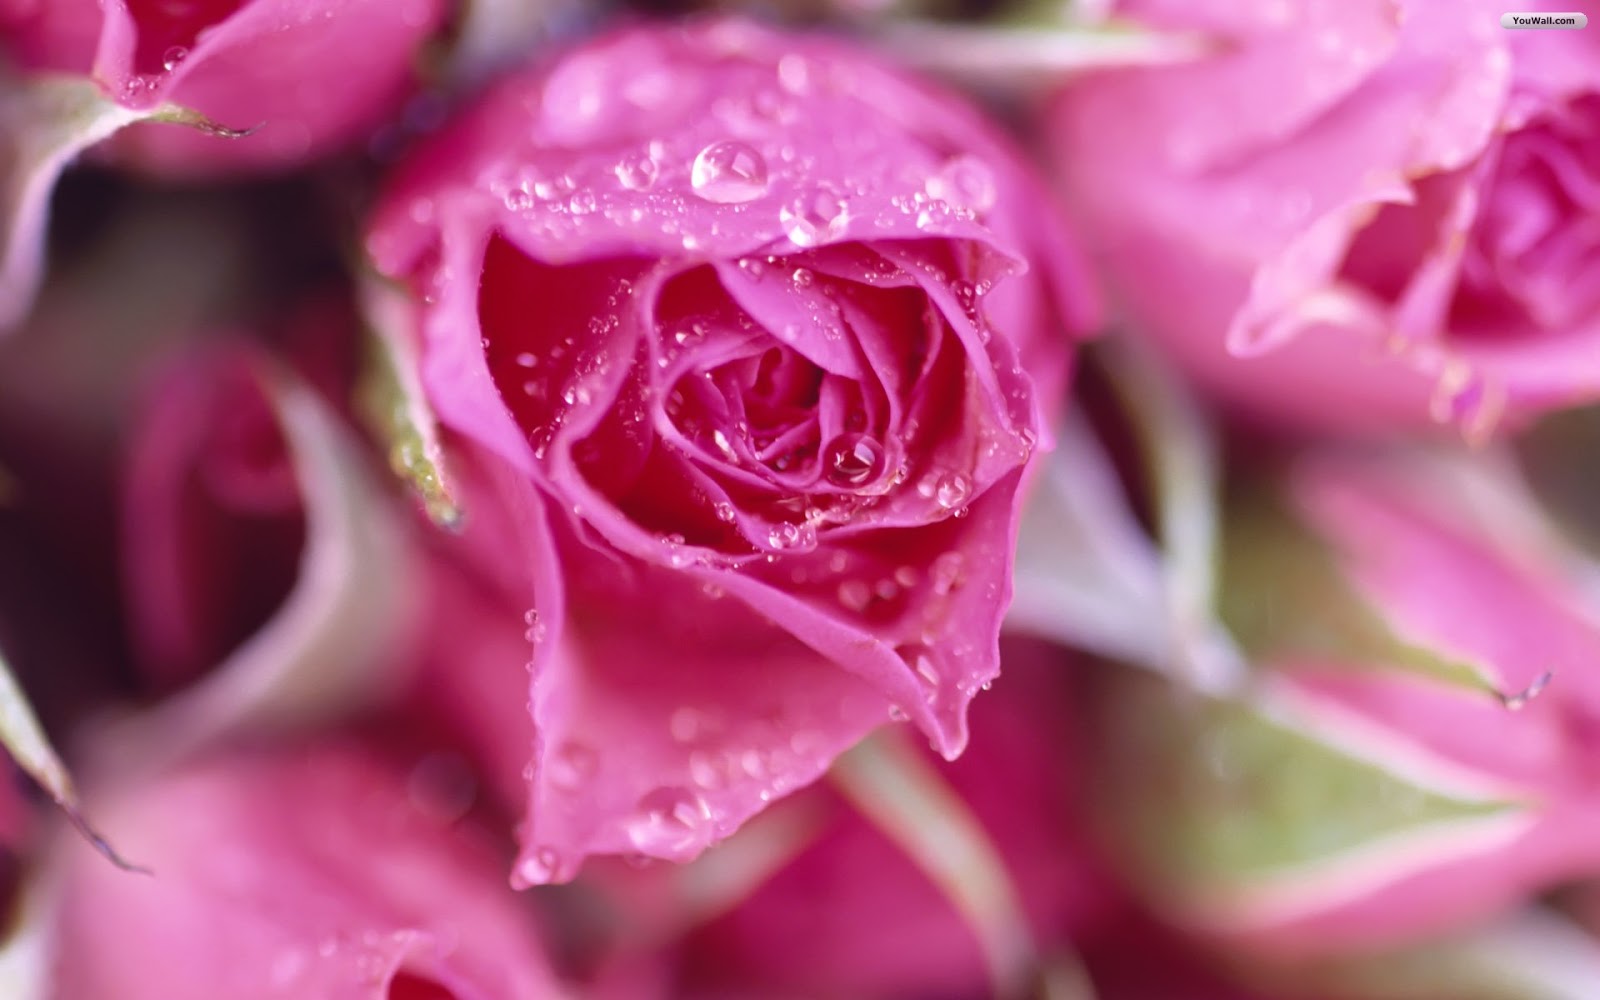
x=291, y=873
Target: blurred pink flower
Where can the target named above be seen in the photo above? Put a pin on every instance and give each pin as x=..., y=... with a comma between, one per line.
x=1353, y=215
x=308, y=75
x=264, y=85
x=317, y=871
x=1418, y=753
x=732, y=328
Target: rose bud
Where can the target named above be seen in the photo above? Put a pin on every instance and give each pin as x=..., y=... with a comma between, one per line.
x=265, y=84
x=739, y=328
x=1353, y=217
x=1414, y=753
x=322, y=870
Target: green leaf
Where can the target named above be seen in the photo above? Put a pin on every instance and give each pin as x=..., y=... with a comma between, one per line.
x=1219, y=795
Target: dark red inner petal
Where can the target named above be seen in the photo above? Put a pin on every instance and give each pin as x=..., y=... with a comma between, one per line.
x=167, y=29
x=411, y=986
x=553, y=334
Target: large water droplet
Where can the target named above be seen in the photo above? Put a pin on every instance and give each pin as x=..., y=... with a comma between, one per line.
x=173, y=56
x=670, y=821
x=854, y=460
x=815, y=218
x=728, y=173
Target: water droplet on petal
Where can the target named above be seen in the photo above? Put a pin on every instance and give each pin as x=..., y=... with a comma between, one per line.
x=728, y=173
x=726, y=513
x=951, y=490
x=813, y=219
x=638, y=172
x=803, y=277
x=535, y=631
x=854, y=460
x=172, y=57
x=670, y=821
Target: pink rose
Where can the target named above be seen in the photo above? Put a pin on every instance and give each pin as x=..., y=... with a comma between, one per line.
x=302, y=77
x=323, y=871
x=307, y=75
x=734, y=327
x=1354, y=216
x=1416, y=755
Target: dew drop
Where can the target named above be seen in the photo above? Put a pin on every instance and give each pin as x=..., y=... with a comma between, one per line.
x=814, y=219
x=535, y=631
x=638, y=172
x=172, y=57
x=728, y=173
x=792, y=536
x=670, y=821
x=854, y=460
x=519, y=199
x=951, y=490
x=725, y=513
x=527, y=359
x=803, y=277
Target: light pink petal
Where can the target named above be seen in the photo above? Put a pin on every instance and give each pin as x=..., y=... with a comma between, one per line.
x=1440, y=586
x=306, y=872
x=308, y=75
